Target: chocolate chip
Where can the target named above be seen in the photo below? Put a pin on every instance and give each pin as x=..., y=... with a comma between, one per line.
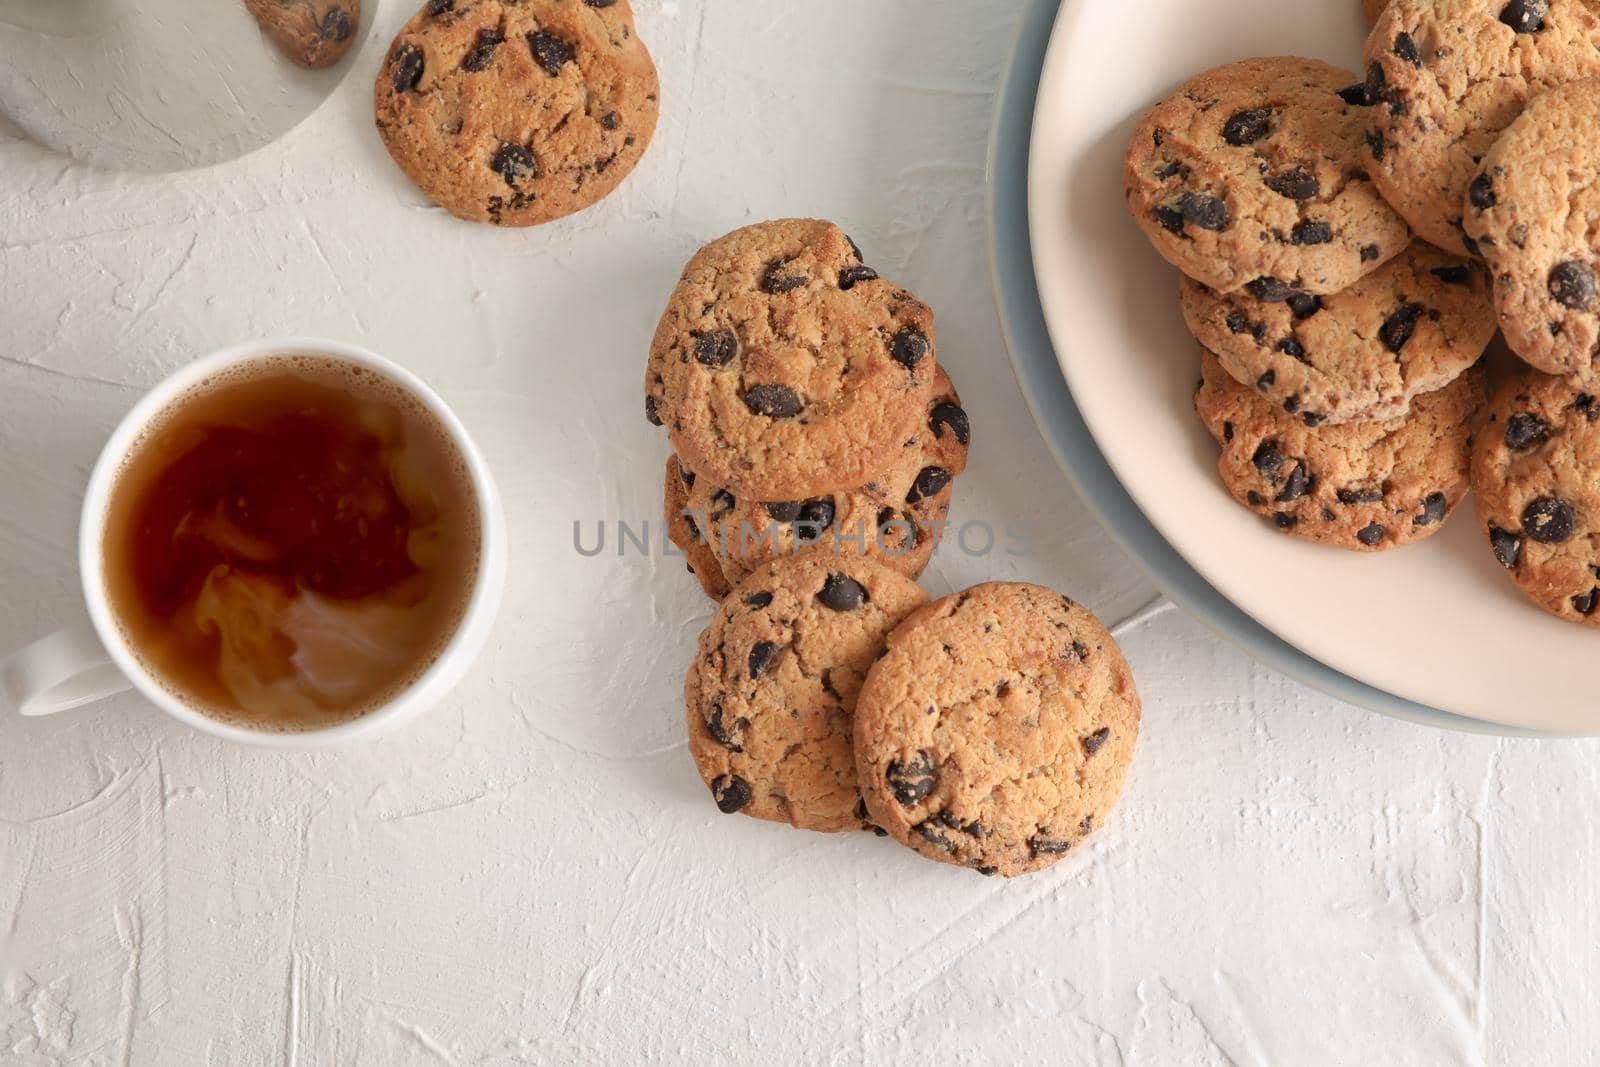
x=1507, y=547
x=1405, y=46
x=1370, y=253
x=730, y=735
x=1525, y=430
x=1371, y=535
x=1169, y=170
x=783, y=511
x=687, y=475
x=1267, y=459
x=716, y=348
x=1171, y=219
x=1585, y=603
x=1399, y=327
x=1206, y=212
x=946, y=414
x=1270, y=290
x=1297, y=485
x=1285, y=521
x=1092, y=743
x=1481, y=192
x=1525, y=16
x=1360, y=496
x=513, y=163
x=1467, y=242
x=1378, y=92
x=1237, y=323
x=550, y=52
x=840, y=593
x=407, y=62
x=335, y=25
x=723, y=501
x=909, y=347
x=1267, y=380
x=1453, y=275
x=779, y=279
x=1355, y=95
x=650, y=411
x=850, y=277
x=1586, y=404
x=761, y=656
x=1375, y=145
x=1312, y=419
x=482, y=53
x=439, y=7
x=731, y=793
x=1290, y=346
x=1548, y=520
x=1434, y=506
x=1311, y=232
x=1247, y=127
x=930, y=482
x=1046, y=846
x=599, y=3
x=1227, y=431
x=610, y=120
x=911, y=780
x=1304, y=305
x=1572, y=285
x=773, y=401
x=816, y=516
x=763, y=599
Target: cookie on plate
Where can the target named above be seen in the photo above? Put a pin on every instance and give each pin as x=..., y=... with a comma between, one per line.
x=784, y=368
x=1412, y=326
x=1373, y=9
x=1364, y=486
x=1445, y=77
x=772, y=691
x=1250, y=175
x=1536, y=481
x=897, y=518
x=1531, y=209
x=997, y=730
x=311, y=33
x=684, y=530
x=516, y=113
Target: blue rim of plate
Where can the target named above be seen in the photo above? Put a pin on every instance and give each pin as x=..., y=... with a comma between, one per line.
x=1056, y=413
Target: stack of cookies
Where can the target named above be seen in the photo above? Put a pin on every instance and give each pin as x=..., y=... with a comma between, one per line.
x=806, y=406
x=816, y=442
x=1340, y=374
x=1339, y=365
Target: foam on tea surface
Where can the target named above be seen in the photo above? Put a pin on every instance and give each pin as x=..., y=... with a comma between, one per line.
x=291, y=544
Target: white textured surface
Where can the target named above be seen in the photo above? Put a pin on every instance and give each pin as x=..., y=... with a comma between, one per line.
x=534, y=874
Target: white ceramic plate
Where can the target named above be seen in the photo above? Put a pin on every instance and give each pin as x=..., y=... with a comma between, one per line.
x=1436, y=623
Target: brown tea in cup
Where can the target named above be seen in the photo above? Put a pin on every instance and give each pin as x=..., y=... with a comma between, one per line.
x=291, y=543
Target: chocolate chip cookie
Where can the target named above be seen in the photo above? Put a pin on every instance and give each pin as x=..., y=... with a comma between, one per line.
x=996, y=731
x=771, y=694
x=1412, y=326
x=896, y=518
x=683, y=527
x=785, y=368
x=1364, y=486
x=311, y=33
x=1531, y=208
x=1536, y=480
x=1445, y=77
x=1250, y=176
x=517, y=112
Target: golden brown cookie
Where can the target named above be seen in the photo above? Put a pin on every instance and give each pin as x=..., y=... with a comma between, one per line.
x=684, y=530
x=771, y=694
x=784, y=368
x=897, y=518
x=1445, y=77
x=1412, y=326
x=311, y=33
x=1364, y=486
x=1532, y=210
x=1250, y=176
x=517, y=112
x=1536, y=481
x=997, y=730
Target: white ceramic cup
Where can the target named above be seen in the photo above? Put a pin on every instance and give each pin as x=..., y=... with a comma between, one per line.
x=91, y=660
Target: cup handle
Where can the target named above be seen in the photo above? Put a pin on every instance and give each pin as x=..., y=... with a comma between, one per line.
x=66, y=670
